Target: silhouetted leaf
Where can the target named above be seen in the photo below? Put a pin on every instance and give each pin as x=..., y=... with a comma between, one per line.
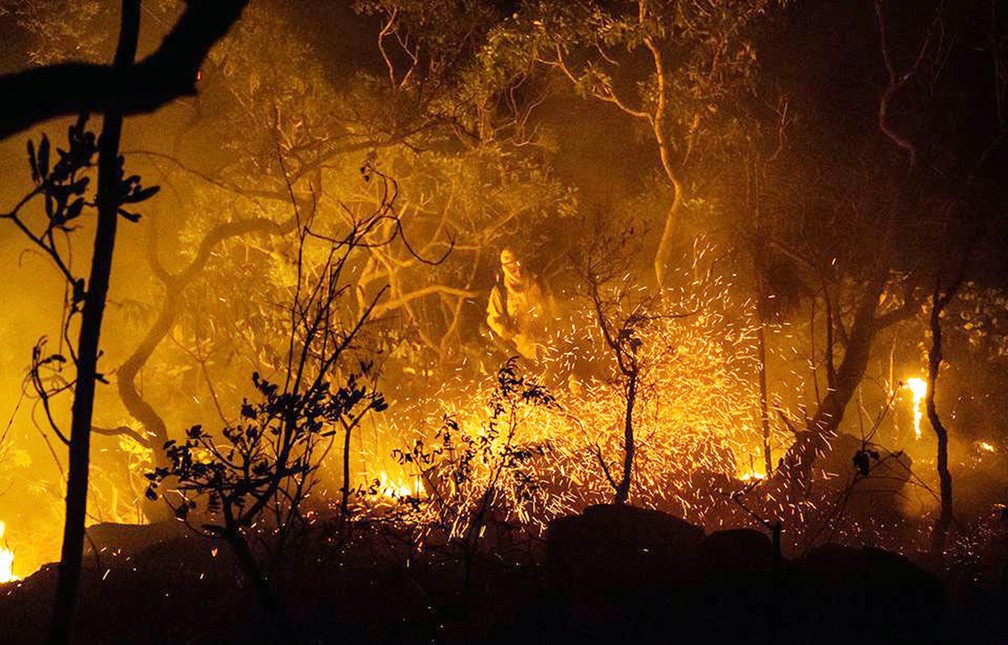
x=141, y=195
x=33, y=162
x=133, y=217
x=78, y=290
x=79, y=186
x=43, y=157
x=862, y=462
x=74, y=210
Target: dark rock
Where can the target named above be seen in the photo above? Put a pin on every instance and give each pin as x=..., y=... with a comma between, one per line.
x=622, y=547
x=737, y=551
x=129, y=539
x=850, y=591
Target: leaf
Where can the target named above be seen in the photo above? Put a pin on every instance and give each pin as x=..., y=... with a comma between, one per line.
x=43, y=156
x=78, y=291
x=74, y=210
x=32, y=161
x=81, y=121
x=78, y=187
x=142, y=194
x=133, y=217
x=247, y=411
x=861, y=462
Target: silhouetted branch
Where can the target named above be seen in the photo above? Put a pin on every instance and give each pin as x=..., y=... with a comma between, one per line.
x=170, y=72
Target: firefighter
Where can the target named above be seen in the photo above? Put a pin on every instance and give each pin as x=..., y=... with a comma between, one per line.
x=521, y=309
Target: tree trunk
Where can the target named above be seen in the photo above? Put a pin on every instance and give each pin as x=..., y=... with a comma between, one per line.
x=668, y=232
x=796, y=466
x=764, y=407
x=88, y=341
x=345, y=490
x=154, y=427
x=623, y=490
x=944, y=521
x=274, y=615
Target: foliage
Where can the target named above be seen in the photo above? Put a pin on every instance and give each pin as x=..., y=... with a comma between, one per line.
x=268, y=459
x=63, y=188
x=249, y=482
x=476, y=473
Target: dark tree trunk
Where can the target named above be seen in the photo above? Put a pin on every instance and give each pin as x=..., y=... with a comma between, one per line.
x=944, y=521
x=796, y=466
x=88, y=341
x=623, y=490
x=764, y=407
x=345, y=490
x=274, y=615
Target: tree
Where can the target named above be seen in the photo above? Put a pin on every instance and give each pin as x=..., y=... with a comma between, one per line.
x=249, y=481
x=114, y=191
x=414, y=128
x=116, y=90
x=865, y=272
x=698, y=62
x=601, y=266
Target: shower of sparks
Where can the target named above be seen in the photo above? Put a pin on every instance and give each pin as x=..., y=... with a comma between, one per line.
x=695, y=428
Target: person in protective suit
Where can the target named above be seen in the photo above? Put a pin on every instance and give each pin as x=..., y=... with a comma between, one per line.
x=521, y=309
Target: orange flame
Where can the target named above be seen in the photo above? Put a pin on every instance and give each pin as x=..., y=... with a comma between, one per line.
x=918, y=387
x=6, y=560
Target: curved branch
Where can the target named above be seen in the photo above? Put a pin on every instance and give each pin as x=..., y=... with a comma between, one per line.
x=36, y=95
x=395, y=303
x=123, y=430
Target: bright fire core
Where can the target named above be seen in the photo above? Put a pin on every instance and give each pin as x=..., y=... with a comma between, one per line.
x=918, y=387
x=6, y=560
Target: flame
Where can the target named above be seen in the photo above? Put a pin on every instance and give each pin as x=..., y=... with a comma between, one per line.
x=918, y=387
x=397, y=488
x=6, y=560
x=751, y=475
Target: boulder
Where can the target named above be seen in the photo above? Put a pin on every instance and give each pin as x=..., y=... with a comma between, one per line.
x=737, y=551
x=129, y=539
x=866, y=591
x=618, y=547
